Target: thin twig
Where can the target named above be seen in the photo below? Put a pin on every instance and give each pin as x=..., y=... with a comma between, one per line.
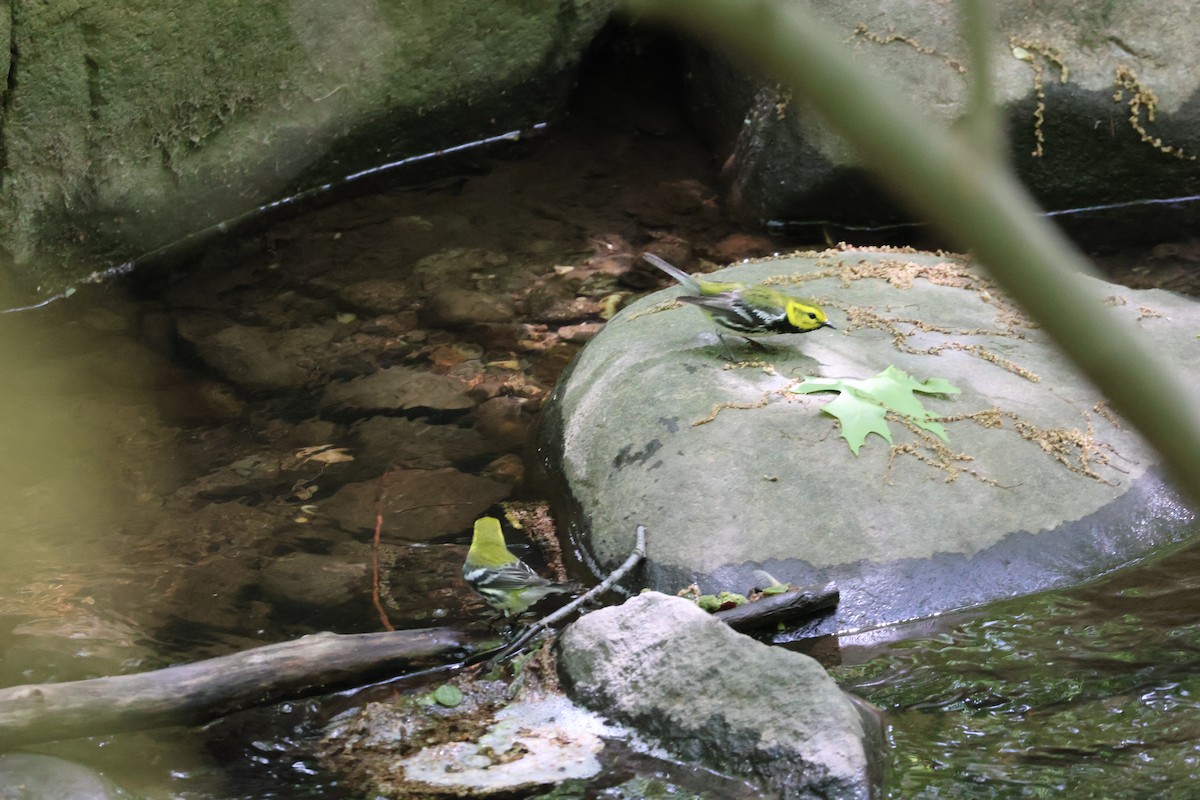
x=639, y=552
x=379, y=497
x=383, y=617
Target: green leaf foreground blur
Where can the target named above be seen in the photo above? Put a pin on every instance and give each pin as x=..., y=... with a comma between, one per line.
x=960, y=184
x=862, y=406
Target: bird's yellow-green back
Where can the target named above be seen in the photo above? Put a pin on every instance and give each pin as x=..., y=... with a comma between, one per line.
x=488, y=548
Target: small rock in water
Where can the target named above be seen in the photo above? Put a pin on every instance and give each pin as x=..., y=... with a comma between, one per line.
x=503, y=421
x=315, y=580
x=31, y=776
x=383, y=443
x=376, y=296
x=417, y=504
x=394, y=389
x=243, y=355
x=457, y=308
x=200, y=402
x=508, y=468
x=710, y=694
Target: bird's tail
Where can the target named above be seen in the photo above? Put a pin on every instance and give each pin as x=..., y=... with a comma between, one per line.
x=688, y=282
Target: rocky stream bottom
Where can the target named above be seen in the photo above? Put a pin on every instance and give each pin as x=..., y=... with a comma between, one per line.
x=199, y=460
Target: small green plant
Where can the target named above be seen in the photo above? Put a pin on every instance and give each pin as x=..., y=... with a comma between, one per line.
x=447, y=695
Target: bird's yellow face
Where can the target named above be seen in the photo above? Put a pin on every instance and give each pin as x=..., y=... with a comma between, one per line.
x=806, y=317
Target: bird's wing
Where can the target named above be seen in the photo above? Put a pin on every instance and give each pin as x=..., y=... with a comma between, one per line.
x=729, y=302
x=516, y=575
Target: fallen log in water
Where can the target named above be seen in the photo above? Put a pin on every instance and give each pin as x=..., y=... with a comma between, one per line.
x=205, y=690
x=780, y=609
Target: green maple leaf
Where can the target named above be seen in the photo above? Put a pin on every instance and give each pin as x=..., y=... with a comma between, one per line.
x=861, y=407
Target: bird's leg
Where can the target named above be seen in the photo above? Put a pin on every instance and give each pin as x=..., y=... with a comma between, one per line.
x=759, y=346
x=728, y=350
x=753, y=343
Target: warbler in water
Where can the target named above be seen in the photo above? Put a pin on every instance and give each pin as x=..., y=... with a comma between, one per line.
x=751, y=310
x=504, y=581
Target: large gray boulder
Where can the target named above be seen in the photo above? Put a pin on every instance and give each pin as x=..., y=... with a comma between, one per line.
x=1038, y=486
x=1089, y=92
x=708, y=694
x=127, y=125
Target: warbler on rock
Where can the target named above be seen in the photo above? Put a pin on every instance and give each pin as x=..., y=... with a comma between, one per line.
x=505, y=582
x=751, y=310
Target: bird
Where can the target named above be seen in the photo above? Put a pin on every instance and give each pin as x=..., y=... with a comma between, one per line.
x=505, y=582
x=751, y=310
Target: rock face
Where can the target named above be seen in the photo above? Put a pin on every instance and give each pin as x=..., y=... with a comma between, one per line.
x=1086, y=95
x=1039, y=485
x=127, y=126
x=709, y=694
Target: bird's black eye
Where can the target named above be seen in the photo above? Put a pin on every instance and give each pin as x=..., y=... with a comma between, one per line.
x=811, y=315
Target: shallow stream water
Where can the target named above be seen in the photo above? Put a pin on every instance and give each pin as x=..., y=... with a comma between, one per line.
x=161, y=506
x=1091, y=692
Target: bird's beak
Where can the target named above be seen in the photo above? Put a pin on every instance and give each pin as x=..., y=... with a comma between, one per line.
x=829, y=325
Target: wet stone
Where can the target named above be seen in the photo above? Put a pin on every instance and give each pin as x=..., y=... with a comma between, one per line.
x=306, y=433
x=375, y=296
x=196, y=566
x=508, y=468
x=558, y=301
x=458, y=308
x=269, y=473
x=583, y=332
x=662, y=665
x=383, y=443
x=503, y=421
x=452, y=267
x=212, y=594
x=395, y=389
x=315, y=580
x=32, y=776
x=309, y=346
x=287, y=310
x=483, y=746
x=416, y=504
x=198, y=401
x=571, y=310
x=419, y=584
x=254, y=358
x=390, y=325
x=104, y=320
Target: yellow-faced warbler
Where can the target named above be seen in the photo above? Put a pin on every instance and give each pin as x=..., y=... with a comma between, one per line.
x=506, y=582
x=748, y=309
